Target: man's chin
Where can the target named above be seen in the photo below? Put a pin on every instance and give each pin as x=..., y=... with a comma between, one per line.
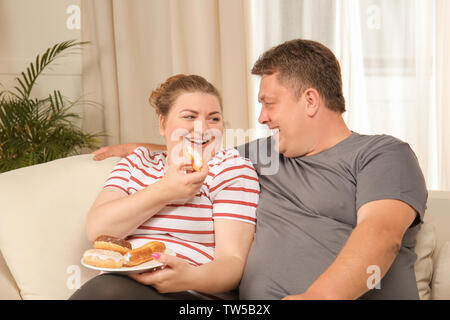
x=277, y=147
x=285, y=151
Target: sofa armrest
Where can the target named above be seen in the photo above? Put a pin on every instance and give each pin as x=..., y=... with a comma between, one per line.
x=9, y=289
x=47, y=205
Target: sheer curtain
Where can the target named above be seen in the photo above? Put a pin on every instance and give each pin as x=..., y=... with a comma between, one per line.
x=395, y=69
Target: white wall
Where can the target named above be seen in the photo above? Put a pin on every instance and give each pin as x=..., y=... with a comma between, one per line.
x=28, y=28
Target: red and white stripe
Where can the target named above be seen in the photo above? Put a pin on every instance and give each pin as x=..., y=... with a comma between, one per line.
x=230, y=191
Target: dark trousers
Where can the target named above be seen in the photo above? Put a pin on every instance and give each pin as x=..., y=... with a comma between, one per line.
x=111, y=286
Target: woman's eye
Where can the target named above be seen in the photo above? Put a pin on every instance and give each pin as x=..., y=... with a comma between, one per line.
x=215, y=119
x=189, y=117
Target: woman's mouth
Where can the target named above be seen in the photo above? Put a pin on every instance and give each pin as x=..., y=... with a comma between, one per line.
x=199, y=142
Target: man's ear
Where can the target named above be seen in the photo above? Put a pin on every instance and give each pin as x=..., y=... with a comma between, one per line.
x=161, y=125
x=312, y=99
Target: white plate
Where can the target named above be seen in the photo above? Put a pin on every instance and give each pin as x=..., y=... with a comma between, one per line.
x=148, y=266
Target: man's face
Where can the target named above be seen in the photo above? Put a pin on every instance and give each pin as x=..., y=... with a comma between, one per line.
x=284, y=114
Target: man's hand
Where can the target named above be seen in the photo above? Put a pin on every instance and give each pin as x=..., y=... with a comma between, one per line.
x=295, y=297
x=123, y=150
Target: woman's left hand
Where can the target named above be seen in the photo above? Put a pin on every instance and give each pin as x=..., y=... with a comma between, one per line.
x=174, y=277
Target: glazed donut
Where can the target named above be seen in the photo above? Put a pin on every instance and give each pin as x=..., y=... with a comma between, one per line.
x=143, y=254
x=103, y=258
x=112, y=243
x=190, y=154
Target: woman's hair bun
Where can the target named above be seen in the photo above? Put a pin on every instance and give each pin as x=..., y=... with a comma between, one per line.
x=163, y=97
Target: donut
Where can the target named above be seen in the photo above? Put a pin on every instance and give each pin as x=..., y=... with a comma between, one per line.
x=103, y=258
x=190, y=154
x=143, y=254
x=112, y=243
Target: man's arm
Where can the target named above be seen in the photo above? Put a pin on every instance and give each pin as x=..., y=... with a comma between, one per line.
x=123, y=150
x=375, y=241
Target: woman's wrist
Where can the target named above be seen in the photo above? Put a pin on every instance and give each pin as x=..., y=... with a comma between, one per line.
x=194, y=278
x=160, y=190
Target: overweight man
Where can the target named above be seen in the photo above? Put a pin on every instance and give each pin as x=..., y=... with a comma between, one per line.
x=338, y=211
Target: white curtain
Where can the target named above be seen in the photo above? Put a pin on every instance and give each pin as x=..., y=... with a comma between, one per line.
x=394, y=60
x=442, y=93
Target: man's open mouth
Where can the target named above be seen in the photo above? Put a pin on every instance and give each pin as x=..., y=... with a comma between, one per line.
x=274, y=131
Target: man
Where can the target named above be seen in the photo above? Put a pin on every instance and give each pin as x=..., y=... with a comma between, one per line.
x=343, y=209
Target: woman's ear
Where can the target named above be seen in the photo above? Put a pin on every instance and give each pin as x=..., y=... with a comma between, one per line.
x=161, y=125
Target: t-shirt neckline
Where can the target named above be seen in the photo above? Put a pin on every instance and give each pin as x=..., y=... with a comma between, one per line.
x=331, y=149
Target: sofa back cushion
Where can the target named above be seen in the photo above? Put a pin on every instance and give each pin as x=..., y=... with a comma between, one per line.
x=430, y=267
x=423, y=267
x=42, y=223
x=441, y=278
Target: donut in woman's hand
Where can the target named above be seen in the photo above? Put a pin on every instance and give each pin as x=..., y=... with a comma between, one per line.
x=112, y=243
x=190, y=154
x=143, y=254
x=103, y=258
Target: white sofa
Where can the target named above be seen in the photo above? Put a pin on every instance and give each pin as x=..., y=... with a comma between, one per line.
x=42, y=231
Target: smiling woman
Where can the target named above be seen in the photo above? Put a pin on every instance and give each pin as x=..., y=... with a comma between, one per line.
x=207, y=217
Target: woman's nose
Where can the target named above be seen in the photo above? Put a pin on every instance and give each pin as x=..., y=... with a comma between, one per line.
x=200, y=126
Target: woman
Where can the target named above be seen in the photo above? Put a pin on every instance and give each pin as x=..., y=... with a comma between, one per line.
x=206, y=217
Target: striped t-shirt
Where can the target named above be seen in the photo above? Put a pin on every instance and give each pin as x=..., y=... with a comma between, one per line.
x=230, y=191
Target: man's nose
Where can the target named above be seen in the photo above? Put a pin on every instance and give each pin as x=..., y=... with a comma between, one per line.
x=263, y=118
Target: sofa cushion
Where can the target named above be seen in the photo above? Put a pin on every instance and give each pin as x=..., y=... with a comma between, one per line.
x=42, y=223
x=423, y=267
x=441, y=277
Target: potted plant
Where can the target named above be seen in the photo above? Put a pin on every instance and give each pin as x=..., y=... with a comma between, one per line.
x=37, y=130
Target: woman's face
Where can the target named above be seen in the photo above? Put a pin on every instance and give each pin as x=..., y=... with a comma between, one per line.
x=195, y=118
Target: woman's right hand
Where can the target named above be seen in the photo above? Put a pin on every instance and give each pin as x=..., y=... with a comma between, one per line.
x=181, y=182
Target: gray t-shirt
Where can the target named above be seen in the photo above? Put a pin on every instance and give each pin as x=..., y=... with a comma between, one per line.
x=308, y=208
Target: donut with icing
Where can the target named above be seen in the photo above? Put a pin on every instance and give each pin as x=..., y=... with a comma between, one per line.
x=103, y=258
x=112, y=243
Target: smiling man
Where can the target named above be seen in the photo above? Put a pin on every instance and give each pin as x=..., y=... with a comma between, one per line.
x=341, y=205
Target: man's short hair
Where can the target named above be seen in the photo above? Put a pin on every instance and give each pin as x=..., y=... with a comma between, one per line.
x=305, y=64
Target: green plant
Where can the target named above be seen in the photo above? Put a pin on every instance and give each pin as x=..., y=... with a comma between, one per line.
x=37, y=130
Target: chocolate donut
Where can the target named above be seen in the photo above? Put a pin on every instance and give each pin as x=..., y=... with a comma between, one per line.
x=112, y=243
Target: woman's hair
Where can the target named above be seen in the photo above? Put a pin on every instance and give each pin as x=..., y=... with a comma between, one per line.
x=163, y=97
x=305, y=64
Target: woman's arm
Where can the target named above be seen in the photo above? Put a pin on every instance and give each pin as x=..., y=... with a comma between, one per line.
x=233, y=241
x=118, y=214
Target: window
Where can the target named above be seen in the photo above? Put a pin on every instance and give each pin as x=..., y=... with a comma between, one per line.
x=387, y=53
